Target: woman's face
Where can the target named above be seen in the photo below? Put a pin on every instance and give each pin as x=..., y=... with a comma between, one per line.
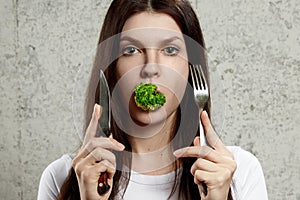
x=152, y=50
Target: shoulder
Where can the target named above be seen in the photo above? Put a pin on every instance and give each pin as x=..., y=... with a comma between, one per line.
x=53, y=177
x=59, y=168
x=243, y=157
x=248, y=179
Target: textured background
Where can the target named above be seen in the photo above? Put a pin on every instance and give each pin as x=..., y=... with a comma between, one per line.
x=45, y=48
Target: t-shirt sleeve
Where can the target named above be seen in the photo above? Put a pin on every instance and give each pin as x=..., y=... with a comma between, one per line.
x=248, y=181
x=53, y=178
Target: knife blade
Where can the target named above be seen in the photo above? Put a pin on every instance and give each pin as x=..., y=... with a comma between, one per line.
x=104, y=99
x=104, y=127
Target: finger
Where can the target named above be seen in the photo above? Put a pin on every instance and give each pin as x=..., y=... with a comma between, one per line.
x=219, y=177
x=92, y=129
x=105, y=143
x=201, y=176
x=203, y=164
x=98, y=155
x=193, y=151
x=95, y=171
x=106, y=166
x=202, y=152
x=196, y=141
x=211, y=136
x=93, y=159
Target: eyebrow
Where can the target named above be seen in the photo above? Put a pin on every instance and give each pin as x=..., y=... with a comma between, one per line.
x=165, y=41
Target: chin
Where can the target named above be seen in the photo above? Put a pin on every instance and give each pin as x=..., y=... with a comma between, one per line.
x=156, y=117
x=144, y=118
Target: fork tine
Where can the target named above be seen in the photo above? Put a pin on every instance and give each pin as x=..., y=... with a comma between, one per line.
x=198, y=69
x=197, y=77
x=203, y=78
x=192, y=75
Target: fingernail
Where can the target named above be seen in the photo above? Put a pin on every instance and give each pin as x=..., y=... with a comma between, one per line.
x=178, y=152
x=97, y=110
x=120, y=145
x=205, y=113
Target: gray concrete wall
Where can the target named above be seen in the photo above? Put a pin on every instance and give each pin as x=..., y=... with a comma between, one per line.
x=45, y=48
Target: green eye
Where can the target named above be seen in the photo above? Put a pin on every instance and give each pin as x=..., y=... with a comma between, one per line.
x=130, y=50
x=171, y=51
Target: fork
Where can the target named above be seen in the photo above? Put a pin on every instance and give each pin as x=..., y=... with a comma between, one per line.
x=201, y=95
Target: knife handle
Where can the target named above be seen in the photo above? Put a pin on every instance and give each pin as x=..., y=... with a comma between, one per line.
x=103, y=186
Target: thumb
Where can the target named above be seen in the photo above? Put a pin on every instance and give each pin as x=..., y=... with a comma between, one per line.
x=92, y=129
x=196, y=141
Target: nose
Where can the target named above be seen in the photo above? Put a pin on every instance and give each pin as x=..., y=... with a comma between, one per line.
x=151, y=67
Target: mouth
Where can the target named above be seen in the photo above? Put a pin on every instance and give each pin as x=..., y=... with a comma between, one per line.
x=147, y=97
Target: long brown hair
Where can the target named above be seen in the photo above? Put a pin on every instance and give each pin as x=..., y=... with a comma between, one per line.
x=119, y=11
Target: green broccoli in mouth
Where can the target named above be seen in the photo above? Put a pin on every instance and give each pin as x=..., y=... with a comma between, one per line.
x=147, y=98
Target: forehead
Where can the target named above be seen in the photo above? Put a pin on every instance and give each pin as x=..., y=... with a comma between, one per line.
x=151, y=28
x=151, y=20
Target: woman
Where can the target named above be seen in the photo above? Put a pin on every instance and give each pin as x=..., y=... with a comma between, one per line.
x=152, y=41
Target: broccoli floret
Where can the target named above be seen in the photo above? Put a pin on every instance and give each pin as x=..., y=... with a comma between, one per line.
x=147, y=98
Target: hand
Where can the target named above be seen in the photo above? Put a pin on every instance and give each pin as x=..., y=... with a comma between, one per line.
x=95, y=158
x=214, y=165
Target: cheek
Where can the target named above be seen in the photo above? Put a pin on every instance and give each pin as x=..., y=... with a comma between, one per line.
x=176, y=74
x=174, y=84
x=180, y=65
x=121, y=68
x=126, y=64
x=127, y=79
x=183, y=69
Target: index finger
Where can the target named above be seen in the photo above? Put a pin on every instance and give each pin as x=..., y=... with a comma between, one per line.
x=92, y=129
x=201, y=152
x=193, y=151
x=211, y=136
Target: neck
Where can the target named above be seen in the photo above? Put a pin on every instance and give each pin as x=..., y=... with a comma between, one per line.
x=154, y=154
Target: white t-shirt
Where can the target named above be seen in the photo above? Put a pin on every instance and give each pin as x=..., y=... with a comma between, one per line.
x=248, y=181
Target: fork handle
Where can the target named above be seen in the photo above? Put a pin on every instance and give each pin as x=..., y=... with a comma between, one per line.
x=203, y=140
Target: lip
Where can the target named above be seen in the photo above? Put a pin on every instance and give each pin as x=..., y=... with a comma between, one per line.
x=160, y=90
x=158, y=85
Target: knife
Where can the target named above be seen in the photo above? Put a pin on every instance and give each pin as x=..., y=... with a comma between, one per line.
x=104, y=127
